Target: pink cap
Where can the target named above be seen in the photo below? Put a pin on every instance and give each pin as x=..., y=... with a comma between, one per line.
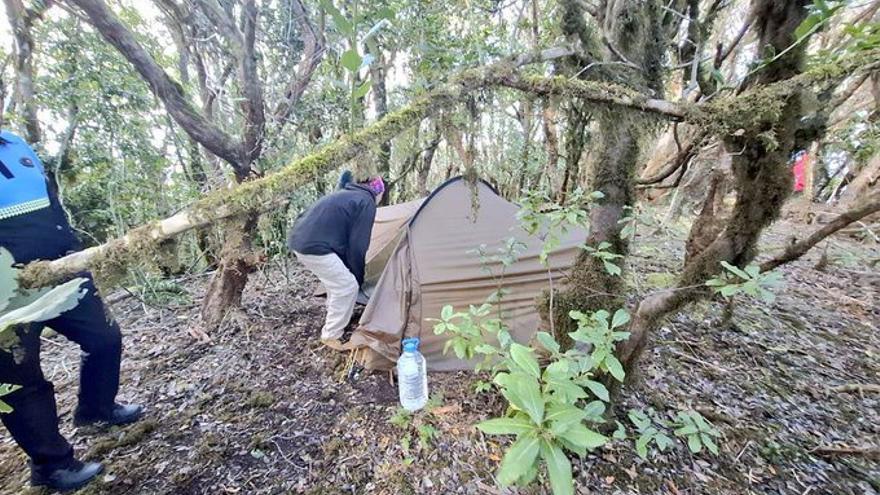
x=377, y=185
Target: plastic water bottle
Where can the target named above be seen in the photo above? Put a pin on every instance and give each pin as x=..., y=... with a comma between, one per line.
x=412, y=376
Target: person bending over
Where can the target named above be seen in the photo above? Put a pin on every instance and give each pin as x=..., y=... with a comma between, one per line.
x=34, y=227
x=331, y=239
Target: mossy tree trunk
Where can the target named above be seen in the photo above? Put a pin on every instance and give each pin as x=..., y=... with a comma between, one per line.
x=761, y=176
x=630, y=31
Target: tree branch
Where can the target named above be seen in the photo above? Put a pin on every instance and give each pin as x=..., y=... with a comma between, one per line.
x=677, y=162
x=798, y=249
x=252, y=88
x=313, y=52
x=171, y=94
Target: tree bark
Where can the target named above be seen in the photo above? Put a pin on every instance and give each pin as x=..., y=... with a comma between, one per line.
x=380, y=105
x=427, y=161
x=762, y=179
x=591, y=285
x=21, y=20
x=551, y=143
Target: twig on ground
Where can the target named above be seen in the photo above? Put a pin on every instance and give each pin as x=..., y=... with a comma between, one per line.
x=857, y=387
x=694, y=360
x=871, y=452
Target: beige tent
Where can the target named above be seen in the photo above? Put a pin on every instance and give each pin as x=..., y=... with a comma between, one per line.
x=422, y=258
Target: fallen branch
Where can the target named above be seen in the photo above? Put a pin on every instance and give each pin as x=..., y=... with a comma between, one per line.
x=798, y=249
x=694, y=360
x=857, y=387
x=871, y=452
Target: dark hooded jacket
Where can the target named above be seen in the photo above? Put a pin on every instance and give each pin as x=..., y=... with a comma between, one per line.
x=339, y=223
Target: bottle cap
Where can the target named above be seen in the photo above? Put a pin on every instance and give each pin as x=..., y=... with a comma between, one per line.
x=411, y=344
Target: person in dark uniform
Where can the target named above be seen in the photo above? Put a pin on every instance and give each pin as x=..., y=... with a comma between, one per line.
x=33, y=226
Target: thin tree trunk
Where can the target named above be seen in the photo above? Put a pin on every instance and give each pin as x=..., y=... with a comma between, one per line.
x=380, y=102
x=20, y=20
x=427, y=161
x=551, y=143
x=593, y=285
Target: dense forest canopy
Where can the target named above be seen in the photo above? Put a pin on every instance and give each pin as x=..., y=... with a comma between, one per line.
x=185, y=136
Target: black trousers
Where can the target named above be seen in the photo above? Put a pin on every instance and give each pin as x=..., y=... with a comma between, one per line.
x=33, y=422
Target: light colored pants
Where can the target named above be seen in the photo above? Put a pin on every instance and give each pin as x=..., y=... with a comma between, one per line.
x=342, y=290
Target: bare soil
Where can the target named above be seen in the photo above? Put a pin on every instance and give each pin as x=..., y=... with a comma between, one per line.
x=264, y=409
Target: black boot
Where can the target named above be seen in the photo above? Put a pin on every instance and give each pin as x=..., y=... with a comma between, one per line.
x=71, y=476
x=119, y=415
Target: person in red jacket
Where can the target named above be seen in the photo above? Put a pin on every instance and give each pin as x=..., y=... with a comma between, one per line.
x=331, y=239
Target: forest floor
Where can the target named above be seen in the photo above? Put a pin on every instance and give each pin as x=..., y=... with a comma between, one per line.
x=265, y=409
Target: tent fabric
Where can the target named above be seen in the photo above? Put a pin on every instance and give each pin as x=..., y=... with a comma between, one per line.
x=432, y=261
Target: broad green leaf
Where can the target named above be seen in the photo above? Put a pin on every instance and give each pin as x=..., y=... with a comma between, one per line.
x=524, y=393
x=558, y=469
x=687, y=430
x=663, y=441
x=342, y=24
x=582, y=436
x=736, y=271
x=709, y=443
x=363, y=89
x=446, y=312
x=621, y=317
x=525, y=359
x=562, y=416
x=558, y=370
x=485, y=349
x=460, y=348
x=642, y=446
x=694, y=444
x=566, y=390
x=614, y=367
x=506, y=426
x=701, y=422
x=640, y=419
x=807, y=26
x=529, y=476
x=594, y=411
x=6, y=389
x=518, y=459
x=753, y=270
x=620, y=432
x=598, y=389
x=351, y=60
x=612, y=269
x=729, y=290
x=580, y=451
x=547, y=340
